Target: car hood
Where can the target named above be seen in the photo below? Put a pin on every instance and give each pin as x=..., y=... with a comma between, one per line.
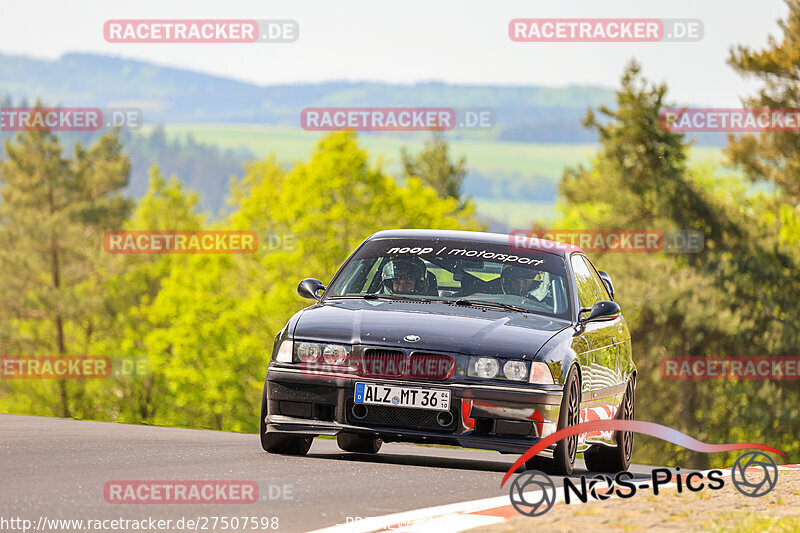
x=440, y=327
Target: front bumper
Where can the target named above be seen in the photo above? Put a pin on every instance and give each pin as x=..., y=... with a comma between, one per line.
x=506, y=417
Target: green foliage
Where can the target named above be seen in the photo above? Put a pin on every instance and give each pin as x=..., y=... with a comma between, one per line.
x=205, y=323
x=772, y=156
x=731, y=299
x=52, y=218
x=434, y=167
x=134, y=283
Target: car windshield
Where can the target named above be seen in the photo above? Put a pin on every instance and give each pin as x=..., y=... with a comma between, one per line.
x=463, y=272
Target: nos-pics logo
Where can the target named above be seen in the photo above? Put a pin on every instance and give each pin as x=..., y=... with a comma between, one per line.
x=533, y=493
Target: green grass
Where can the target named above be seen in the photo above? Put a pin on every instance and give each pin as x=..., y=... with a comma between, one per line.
x=485, y=156
x=493, y=159
x=517, y=214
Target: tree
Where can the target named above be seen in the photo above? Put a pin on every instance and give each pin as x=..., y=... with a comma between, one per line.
x=133, y=283
x=435, y=168
x=731, y=299
x=772, y=156
x=53, y=214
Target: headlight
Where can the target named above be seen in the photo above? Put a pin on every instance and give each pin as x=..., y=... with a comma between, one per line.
x=316, y=352
x=309, y=352
x=285, y=352
x=515, y=370
x=540, y=373
x=335, y=354
x=489, y=368
x=483, y=367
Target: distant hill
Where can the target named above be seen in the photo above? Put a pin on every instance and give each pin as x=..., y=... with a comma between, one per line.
x=172, y=95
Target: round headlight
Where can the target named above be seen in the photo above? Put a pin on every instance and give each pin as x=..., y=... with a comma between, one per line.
x=309, y=352
x=515, y=370
x=486, y=367
x=335, y=354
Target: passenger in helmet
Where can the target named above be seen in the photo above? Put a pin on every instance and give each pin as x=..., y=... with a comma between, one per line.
x=524, y=282
x=404, y=276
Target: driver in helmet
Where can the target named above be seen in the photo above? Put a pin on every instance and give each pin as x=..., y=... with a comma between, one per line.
x=524, y=282
x=402, y=275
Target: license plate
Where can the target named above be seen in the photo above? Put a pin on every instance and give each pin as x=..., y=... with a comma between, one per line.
x=435, y=399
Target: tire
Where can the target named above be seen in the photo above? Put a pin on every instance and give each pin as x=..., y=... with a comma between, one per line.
x=283, y=443
x=563, y=461
x=351, y=442
x=618, y=458
x=286, y=443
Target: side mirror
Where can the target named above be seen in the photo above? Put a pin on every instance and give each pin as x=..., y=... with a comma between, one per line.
x=602, y=310
x=607, y=280
x=309, y=288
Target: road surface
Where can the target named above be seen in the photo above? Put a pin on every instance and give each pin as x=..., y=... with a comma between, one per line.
x=57, y=469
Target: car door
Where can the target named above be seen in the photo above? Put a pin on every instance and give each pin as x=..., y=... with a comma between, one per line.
x=620, y=336
x=601, y=336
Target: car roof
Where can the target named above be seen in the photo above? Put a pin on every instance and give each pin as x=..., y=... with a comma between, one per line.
x=520, y=239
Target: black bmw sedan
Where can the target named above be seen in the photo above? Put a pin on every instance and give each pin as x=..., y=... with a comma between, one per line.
x=452, y=337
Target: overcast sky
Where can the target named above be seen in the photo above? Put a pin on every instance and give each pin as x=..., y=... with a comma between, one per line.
x=463, y=41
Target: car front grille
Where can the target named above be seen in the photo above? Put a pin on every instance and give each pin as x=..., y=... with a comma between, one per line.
x=382, y=363
x=431, y=366
x=403, y=418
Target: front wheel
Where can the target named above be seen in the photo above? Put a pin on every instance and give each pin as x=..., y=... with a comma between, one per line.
x=617, y=459
x=563, y=461
x=286, y=443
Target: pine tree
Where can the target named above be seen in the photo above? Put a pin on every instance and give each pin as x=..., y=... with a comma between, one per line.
x=732, y=299
x=53, y=213
x=435, y=168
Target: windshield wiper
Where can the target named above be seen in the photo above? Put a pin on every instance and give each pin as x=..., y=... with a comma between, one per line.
x=496, y=305
x=464, y=302
x=375, y=296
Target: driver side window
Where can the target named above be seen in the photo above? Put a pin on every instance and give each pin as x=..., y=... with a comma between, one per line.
x=589, y=290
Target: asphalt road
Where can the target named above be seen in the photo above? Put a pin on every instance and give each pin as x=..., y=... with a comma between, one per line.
x=57, y=469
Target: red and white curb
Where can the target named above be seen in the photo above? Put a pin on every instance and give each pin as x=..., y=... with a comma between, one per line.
x=464, y=515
